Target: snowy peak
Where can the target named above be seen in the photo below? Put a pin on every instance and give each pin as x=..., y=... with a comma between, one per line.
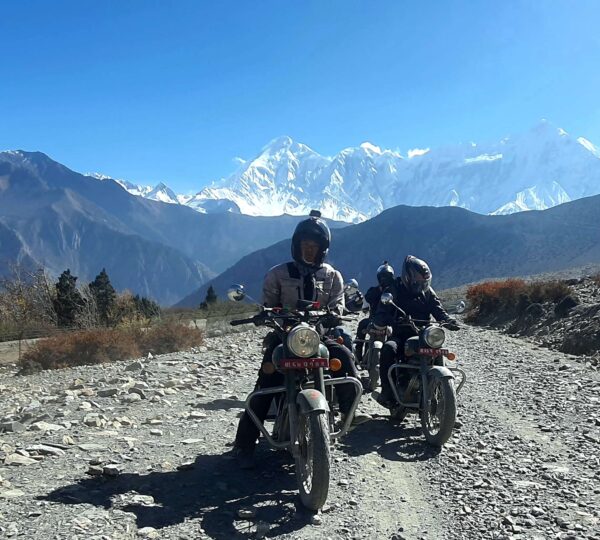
x=370, y=148
x=589, y=146
x=537, y=169
x=160, y=192
x=163, y=193
x=285, y=144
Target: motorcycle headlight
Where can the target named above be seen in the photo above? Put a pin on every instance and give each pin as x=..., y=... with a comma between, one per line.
x=434, y=336
x=303, y=341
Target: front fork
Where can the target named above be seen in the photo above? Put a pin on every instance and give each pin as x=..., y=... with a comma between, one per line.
x=424, y=374
x=391, y=377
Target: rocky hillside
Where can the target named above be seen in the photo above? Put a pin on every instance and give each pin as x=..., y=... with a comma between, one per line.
x=571, y=325
x=139, y=450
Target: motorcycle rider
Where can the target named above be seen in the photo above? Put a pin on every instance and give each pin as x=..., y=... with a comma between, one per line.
x=385, y=280
x=306, y=277
x=413, y=294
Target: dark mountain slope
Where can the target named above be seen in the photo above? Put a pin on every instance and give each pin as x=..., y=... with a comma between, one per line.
x=459, y=245
x=55, y=211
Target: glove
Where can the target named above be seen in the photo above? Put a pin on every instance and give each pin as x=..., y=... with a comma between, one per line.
x=451, y=324
x=331, y=321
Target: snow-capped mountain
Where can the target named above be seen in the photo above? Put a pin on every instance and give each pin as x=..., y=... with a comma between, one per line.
x=160, y=192
x=163, y=193
x=531, y=171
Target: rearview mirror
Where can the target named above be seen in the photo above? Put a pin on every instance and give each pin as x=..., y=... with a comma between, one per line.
x=351, y=286
x=386, y=298
x=236, y=293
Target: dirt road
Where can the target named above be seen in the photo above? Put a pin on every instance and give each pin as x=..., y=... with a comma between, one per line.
x=524, y=462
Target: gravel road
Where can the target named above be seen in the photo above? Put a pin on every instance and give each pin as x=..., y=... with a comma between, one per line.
x=138, y=450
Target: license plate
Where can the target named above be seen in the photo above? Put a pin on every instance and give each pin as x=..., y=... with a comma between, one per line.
x=304, y=363
x=433, y=352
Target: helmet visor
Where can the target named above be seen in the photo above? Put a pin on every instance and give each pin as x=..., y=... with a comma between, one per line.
x=419, y=284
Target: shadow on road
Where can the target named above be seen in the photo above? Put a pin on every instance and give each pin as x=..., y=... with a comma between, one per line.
x=212, y=491
x=393, y=441
x=222, y=405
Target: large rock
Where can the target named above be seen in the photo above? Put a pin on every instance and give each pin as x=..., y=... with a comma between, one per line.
x=18, y=459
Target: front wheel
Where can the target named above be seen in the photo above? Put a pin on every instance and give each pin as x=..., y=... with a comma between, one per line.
x=373, y=366
x=313, y=461
x=439, y=414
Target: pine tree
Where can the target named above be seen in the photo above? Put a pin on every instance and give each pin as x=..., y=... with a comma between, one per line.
x=105, y=296
x=211, y=296
x=146, y=307
x=68, y=300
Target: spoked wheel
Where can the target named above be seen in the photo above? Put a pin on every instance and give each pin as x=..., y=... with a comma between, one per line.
x=312, y=464
x=439, y=414
x=365, y=358
x=373, y=366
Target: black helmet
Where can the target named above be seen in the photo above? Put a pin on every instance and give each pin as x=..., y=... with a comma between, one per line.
x=314, y=229
x=416, y=275
x=385, y=274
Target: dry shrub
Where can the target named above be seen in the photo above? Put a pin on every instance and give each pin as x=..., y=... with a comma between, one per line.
x=108, y=345
x=596, y=279
x=169, y=337
x=511, y=297
x=540, y=292
x=493, y=296
x=80, y=348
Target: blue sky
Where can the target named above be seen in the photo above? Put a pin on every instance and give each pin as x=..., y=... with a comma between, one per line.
x=173, y=91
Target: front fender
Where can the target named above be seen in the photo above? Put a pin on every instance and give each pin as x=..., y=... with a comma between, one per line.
x=440, y=372
x=311, y=401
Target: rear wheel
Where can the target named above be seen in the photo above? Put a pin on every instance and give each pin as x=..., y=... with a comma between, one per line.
x=313, y=461
x=439, y=414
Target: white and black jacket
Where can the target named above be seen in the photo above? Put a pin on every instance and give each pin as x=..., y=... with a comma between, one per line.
x=287, y=283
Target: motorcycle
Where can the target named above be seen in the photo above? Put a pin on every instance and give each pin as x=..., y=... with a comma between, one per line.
x=431, y=391
x=304, y=418
x=353, y=301
x=376, y=337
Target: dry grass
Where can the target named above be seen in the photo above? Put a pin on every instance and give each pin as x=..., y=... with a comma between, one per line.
x=169, y=337
x=108, y=345
x=510, y=297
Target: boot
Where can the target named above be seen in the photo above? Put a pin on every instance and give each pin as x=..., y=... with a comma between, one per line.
x=357, y=420
x=244, y=457
x=385, y=398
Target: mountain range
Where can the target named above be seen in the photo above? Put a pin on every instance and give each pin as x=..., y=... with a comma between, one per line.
x=53, y=217
x=167, y=246
x=535, y=170
x=461, y=246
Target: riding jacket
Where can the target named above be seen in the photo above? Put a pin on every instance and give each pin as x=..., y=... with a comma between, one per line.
x=287, y=283
x=420, y=307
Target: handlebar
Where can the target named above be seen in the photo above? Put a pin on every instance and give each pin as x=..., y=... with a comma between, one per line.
x=274, y=314
x=242, y=321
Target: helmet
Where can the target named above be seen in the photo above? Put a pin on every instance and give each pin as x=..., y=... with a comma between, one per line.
x=416, y=275
x=314, y=229
x=385, y=274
